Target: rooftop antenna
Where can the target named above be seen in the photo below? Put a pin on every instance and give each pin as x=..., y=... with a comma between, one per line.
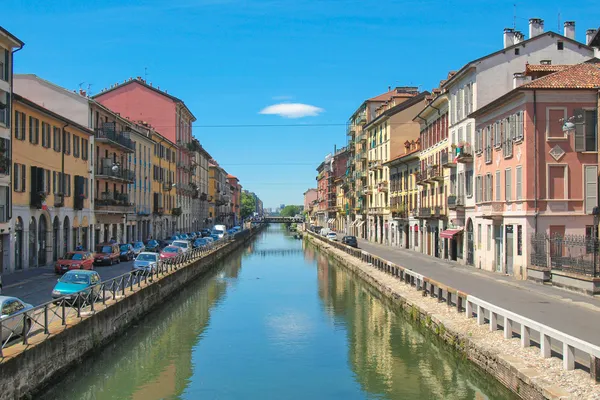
x=145, y=72
x=89, y=89
x=80, y=84
x=558, y=26
x=515, y=16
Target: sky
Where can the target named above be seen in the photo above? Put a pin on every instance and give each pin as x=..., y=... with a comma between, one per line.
x=272, y=83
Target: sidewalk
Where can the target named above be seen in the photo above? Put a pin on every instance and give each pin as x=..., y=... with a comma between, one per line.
x=571, y=313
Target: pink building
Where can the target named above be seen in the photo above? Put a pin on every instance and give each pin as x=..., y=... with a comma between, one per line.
x=310, y=198
x=531, y=174
x=139, y=101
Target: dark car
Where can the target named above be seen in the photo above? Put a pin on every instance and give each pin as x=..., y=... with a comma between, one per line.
x=152, y=246
x=127, y=253
x=107, y=254
x=205, y=232
x=350, y=241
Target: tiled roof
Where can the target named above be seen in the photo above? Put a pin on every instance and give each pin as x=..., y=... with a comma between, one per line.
x=544, y=68
x=396, y=92
x=580, y=76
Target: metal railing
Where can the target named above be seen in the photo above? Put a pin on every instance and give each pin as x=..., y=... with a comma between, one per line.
x=569, y=253
x=51, y=317
x=120, y=139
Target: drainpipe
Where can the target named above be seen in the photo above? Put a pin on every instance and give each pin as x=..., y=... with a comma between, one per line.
x=10, y=147
x=535, y=162
x=62, y=163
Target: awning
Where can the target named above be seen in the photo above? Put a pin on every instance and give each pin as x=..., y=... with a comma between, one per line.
x=450, y=233
x=353, y=222
x=361, y=223
x=331, y=220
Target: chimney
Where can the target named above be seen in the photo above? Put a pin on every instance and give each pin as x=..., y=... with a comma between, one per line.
x=519, y=78
x=536, y=27
x=589, y=35
x=389, y=88
x=509, y=37
x=569, y=31
x=519, y=37
x=82, y=92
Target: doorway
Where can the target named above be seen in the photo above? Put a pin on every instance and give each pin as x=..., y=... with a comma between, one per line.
x=498, y=247
x=470, y=245
x=509, y=249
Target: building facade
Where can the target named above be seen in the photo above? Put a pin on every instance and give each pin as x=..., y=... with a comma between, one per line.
x=9, y=44
x=52, y=211
x=164, y=169
x=236, y=190
x=200, y=209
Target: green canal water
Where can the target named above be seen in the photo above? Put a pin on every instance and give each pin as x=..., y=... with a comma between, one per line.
x=276, y=320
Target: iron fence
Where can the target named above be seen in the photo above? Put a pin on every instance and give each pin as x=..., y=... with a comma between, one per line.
x=576, y=254
x=35, y=324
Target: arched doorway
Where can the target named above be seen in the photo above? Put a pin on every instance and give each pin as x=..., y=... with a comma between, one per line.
x=55, y=236
x=32, y=242
x=19, y=243
x=470, y=246
x=42, y=231
x=66, y=231
x=436, y=241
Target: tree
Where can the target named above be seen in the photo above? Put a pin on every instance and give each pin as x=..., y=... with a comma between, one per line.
x=248, y=205
x=290, y=211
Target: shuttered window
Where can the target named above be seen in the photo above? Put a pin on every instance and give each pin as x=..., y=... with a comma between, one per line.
x=518, y=178
x=591, y=187
x=507, y=185
x=497, y=185
x=497, y=135
x=34, y=130
x=520, y=132
x=488, y=145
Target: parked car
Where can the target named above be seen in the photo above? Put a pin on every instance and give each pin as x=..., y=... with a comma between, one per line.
x=138, y=247
x=170, y=252
x=107, y=253
x=201, y=242
x=174, y=237
x=231, y=232
x=214, y=237
x=324, y=231
x=350, y=241
x=219, y=233
x=184, y=244
x=13, y=325
x=145, y=261
x=74, y=260
x=76, y=281
x=191, y=235
x=219, y=228
x=332, y=236
x=152, y=245
x=127, y=253
x=209, y=239
x=205, y=232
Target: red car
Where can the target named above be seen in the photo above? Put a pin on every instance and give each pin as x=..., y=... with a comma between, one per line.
x=107, y=254
x=170, y=252
x=74, y=260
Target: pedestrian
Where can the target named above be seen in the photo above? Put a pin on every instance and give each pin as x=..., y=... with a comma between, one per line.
x=79, y=247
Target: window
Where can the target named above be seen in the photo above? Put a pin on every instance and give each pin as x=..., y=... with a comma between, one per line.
x=460, y=135
x=520, y=128
x=519, y=240
x=76, y=148
x=45, y=134
x=56, y=134
x=585, y=130
x=590, y=174
x=497, y=185
x=557, y=182
x=478, y=235
x=497, y=135
x=469, y=129
x=34, y=130
x=67, y=143
x=19, y=178
x=478, y=189
x=84, y=149
x=517, y=51
x=20, y=119
x=510, y=134
x=489, y=184
x=489, y=237
x=469, y=182
x=507, y=184
x=4, y=65
x=47, y=186
x=68, y=185
x=488, y=145
x=555, y=116
x=518, y=178
x=478, y=141
x=560, y=45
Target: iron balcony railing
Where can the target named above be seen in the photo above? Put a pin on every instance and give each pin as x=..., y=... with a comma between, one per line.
x=455, y=201
x=464, y=153
x=41, y=322
x=108, y=172
x=447, y=161
x=120, y=140
x=424, y=212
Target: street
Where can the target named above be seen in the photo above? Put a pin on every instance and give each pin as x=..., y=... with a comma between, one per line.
x=34, y=286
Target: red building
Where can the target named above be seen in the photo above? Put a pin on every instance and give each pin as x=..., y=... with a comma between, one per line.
x=139, y=101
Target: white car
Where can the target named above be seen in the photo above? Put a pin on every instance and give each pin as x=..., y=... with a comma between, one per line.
x=332, y=236
x=184, y=244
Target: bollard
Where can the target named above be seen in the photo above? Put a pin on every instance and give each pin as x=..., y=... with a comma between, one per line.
x=525, y=336
x=508, y=328
x=440, y=295
x=46, y=319
x=493, y=321
x=595, y=368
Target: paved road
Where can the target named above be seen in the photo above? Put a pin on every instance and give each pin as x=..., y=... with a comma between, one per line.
x=35, y=285
x=571, y=313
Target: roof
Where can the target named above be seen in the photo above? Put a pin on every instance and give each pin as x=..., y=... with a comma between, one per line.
x=32, y=104
x=12, y=37
x=520, y=44
x=143, y=83
x=395, y=92
x=404, y=157
x=396, y=109
x=544, y=67
x=595, y=42
x=580, y=76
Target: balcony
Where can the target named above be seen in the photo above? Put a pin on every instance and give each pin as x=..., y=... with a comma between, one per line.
x=362, y=138
x=447, y=161
x=368, y=190
x=434, y=174
x=493, y=210
x=399, y=211
x=375, y=165
x=423, y=212
x=361, y=118
x=420, y=178
x=108, y=135
x=113, y=202
x=456, y=202
x=114, y=172
x=5, y=163
x=351, y=129
x=464, y=153
x=438, y=212
x=383, y=187
x=167, y=186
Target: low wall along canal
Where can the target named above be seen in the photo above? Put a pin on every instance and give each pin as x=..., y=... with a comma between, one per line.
x=276, y=318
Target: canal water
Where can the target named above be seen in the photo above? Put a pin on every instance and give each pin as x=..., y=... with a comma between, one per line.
x=277, y=320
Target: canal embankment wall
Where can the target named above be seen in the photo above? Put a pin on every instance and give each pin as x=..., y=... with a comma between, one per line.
x=27, y=373
x=444, y=310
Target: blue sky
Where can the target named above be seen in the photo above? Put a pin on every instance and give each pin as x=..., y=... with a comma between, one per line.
x=230, y=59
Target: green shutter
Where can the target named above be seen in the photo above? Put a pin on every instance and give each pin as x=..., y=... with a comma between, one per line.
x=579, y=130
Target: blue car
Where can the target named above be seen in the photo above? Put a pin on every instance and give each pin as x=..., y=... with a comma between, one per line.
x=152, y=245
x=214, y=237
x=76, y=281
x=200, y=243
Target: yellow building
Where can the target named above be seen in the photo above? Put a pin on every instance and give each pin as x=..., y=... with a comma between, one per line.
x=164, y=168
x=51, y=184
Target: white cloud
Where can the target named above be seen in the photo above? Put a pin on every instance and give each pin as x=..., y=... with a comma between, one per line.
x=292, y=110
